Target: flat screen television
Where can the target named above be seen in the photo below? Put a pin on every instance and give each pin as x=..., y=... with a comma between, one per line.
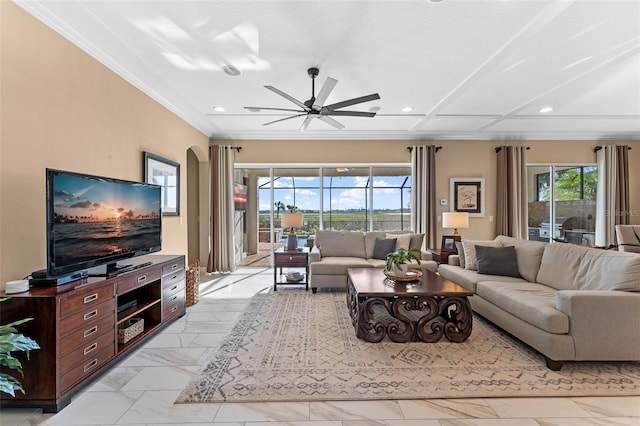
x=93, y=221
x=240, y=196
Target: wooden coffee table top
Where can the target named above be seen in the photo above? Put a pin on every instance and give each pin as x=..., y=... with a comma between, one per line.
x=373, y=282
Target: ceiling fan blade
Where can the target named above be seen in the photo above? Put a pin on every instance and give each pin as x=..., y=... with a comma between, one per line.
x=271, y=109
x=331, y=121
x=288, y=97
x=286, y=118
x=353, y=101
x=326, y=89
x=350, y=113
x=306, y=123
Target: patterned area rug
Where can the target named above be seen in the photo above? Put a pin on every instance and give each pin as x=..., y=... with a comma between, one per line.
x=302, y=347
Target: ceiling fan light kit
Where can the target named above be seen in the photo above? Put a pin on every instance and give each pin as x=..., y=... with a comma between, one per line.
x=314, y=107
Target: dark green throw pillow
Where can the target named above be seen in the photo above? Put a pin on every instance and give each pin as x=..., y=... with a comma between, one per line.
x=497, y=261
x=383, y=247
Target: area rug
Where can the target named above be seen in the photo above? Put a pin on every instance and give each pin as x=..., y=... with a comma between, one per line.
x=302, y=347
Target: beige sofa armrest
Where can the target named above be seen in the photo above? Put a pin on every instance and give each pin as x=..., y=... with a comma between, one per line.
x=314, y=255
x=425, y=255
x=454, y=259
x=604, y=324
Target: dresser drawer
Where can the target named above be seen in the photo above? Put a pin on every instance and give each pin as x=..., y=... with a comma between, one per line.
x=84, y=353
x=173, y=278
x=174, y=304
x=75, y=329
x=85, y=299
x=89, y=364
x=137, y=279
x=172, y=267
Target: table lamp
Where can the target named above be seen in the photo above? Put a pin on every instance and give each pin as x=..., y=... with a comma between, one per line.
x=455, y=220
x=292, y=220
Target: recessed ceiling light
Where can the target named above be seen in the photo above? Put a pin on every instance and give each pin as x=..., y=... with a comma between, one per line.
x=252, y=109
x=231, y=70
x=546, y=109
x=407, y=109
x=374, y=109
x=219, y=109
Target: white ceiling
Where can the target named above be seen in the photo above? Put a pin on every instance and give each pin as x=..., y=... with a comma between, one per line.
x=475, y=69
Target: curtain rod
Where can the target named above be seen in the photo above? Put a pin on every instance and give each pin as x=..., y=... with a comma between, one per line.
x=598, y=148
x=410, y=148
x=498, y=148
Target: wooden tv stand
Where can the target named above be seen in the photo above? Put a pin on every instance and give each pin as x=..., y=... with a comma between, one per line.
x=76, y=326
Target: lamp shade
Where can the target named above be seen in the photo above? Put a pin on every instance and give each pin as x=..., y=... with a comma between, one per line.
x=291, y=220
x=455, y=220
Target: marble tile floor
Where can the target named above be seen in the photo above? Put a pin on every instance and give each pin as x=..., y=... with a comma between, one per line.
x=141, y=389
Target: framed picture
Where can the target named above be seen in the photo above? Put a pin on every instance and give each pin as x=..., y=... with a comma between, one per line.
x=467, y=195
x=166, y=173
x=449, y=243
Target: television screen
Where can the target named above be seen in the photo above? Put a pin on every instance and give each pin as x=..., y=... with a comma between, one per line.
x=94, y=220
x=240, y=196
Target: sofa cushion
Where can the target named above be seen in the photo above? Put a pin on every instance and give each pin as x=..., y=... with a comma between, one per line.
x=341, y=243
x=402, y=240
x=528, y=255
x=337, y=265
x=531, y=302
x=416, y=241
x=560, y=264
x=460, y=249
x=470, y=261
x=470, y=279
x=609, y=270
x=497, y=261
x=383, y=247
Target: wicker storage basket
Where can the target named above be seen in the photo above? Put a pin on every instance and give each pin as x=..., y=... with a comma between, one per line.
x=193, y=283
x=130, y=329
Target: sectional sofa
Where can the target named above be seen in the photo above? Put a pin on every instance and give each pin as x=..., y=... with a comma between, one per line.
x=570, y=303
x=336, y=251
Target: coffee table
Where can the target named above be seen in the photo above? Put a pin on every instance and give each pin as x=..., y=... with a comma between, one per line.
x=423, y=310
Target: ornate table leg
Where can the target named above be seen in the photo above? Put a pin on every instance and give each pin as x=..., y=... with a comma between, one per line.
x=456, y=311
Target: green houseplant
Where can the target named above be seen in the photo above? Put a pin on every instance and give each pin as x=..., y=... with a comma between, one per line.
x=12, y=341
x=397, y=261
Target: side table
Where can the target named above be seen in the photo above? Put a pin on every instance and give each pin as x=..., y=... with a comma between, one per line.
x=440, y=256
x=283, y=258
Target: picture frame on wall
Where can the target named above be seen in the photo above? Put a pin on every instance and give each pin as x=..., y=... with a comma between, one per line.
x=165, y=173
x=467, y=195
x=449, y=243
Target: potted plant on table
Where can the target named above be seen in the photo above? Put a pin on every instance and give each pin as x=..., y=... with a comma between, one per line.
x=398, y=261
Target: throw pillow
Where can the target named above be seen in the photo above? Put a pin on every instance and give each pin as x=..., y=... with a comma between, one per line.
x=402, y=240
x=416, y=241
x=497, y=261
x=469, y=247
x=460, y=249
x=383, y=247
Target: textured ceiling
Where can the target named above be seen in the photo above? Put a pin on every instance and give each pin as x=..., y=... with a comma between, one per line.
x=469, y=69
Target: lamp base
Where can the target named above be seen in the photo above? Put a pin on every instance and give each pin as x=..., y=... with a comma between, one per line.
x=292, y=242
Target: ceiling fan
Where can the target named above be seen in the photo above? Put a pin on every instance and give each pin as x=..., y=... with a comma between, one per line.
x=314, y=108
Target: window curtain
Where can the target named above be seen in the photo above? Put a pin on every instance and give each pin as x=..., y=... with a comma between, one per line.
x=612, y=205
x=511, y=211
x=423, y=192
x=221, y=254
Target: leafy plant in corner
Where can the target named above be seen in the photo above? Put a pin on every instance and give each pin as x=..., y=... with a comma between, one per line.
x=402, y=256
x=12, y=341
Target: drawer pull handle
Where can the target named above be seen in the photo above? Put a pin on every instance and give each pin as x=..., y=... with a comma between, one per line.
x=174, y=277
x=174, y=266
x=290, y=257
x=91, y=365
x=174, y=298
x=175, y=308
x=90, y=348
x=91, y=314
x=142, y=278
x=91, y=298
x=90, y=331
x=174, y=287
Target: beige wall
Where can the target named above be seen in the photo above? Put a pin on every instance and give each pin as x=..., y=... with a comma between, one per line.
x=455, y=159
x=62, y=109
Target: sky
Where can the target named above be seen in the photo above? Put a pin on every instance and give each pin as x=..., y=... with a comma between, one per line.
x=348, y=192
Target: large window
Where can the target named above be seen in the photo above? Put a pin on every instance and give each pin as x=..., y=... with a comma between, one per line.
x=571, y=183
x=338, y=198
